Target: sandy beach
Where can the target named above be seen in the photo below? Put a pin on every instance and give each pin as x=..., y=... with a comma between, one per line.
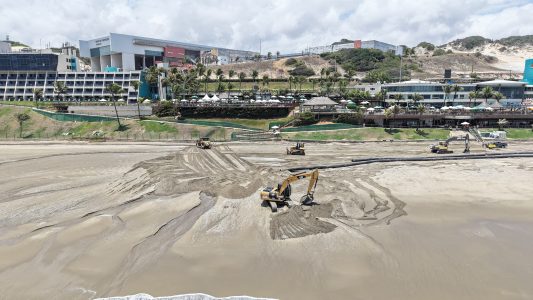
x=82, y=220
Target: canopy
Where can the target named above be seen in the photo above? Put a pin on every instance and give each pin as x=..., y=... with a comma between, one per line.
x=102, y=100
x=344, y=101
x=274, y=101
x=370, y=109
x=274, y=127
x=120, y=100
x=365, y=102
x=206, y=97
x=465, y=123
x=147, y=101
x=183, y=100
x=378, y=107
x=215, y=98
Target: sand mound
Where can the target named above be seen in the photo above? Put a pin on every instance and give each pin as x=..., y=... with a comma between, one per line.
x=300, y=221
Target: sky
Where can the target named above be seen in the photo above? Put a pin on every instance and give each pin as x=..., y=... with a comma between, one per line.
x=287, y=26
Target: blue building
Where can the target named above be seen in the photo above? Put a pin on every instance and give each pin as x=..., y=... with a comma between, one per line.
x=528, y=71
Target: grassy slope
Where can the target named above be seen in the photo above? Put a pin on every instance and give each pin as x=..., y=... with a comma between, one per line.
x=40, y=126
x=252, y=123
x=377, y=134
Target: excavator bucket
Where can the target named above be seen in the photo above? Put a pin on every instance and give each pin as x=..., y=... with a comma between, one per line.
x=307, y=199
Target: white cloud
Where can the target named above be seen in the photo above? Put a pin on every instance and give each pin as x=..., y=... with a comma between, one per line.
x=288, y=26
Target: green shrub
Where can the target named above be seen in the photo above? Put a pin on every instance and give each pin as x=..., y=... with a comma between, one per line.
x=304, y=119
x=439, y=52
x=234, y=112
x=427, y=46
x=353, y=119
x=291, y=61
x=302, y=71
x=164, y=109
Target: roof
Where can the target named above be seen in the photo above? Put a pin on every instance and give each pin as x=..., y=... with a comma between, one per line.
x=414, y=81
x=500, y=82
x=320, y=101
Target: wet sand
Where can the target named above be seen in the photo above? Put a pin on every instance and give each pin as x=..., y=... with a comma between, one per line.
x=79, y=221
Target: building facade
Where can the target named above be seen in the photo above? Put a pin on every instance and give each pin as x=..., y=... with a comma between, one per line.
x=357, y=44
x=133, y=53
x=433, y=92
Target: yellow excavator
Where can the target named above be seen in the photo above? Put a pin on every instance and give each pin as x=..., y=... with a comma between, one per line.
x=281, y=195
x=204, y=143
x=442, y=147
x=299, y=149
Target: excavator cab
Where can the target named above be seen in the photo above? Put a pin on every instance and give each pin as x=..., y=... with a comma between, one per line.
x=281, y=195
x=204, y=143
x=298, y=149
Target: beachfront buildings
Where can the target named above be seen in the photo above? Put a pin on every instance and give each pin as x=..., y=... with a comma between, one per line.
x=133, y=53
x=23, y=72
x=357, y=44
x=433, y=92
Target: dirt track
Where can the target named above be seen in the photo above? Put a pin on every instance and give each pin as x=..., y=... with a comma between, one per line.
x=79, y=221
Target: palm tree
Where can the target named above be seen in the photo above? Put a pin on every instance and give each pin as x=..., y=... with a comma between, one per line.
x=277, y=54
x=206, y=78
x=498, y=96
x=417, y=98
x=388, y=114
x=472, y=95
x=486, y=93
x=60, y=89
x=398, y=98
x=37, y=94
x=242, y=76
x=266, y=80
x=455, y=89
x=421, y=109
x=21, y=118
x=502, y=123
x=349, y=75
x=447, y=89
x=231, y=74
x=255, y=74
x=115, y=89
x=291, y=80
x=136, y=85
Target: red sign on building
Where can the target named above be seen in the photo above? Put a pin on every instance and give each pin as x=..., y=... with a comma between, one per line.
x=174, y=52
x=357, y=44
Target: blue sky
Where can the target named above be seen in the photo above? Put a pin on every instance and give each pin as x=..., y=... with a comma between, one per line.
x=286, y=26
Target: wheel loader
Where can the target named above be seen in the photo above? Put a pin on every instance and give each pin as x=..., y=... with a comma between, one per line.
x=204, y=143
x=298, y=149
x=281, y=195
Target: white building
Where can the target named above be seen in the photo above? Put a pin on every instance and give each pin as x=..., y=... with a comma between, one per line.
x=130, y=53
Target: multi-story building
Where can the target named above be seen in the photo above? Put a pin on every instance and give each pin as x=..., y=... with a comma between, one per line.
x=21, y=73
x=357, y=44
x=134, y=53
x=433, y=92
x=5, y=47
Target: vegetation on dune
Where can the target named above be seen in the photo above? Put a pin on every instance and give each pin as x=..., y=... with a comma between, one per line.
x=155, y=126
x=471, y=42
x=516, y=40
x=427, y=46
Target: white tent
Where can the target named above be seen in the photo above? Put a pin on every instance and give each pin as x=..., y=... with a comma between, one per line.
x=147, y=101
x=465, y=123
x=370, y=109
x=184, y=100
x=489, y=108
x=344, y=101
x=365, y=102
x=120, y=100
x=215, y=98
x=206, y=97
x=274, y=127
x=274, y=101
x=102, y=100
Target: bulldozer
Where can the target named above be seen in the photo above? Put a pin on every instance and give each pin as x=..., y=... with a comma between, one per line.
x=204, y=143
x=442, y=147
x=298, y=149
x=281, y=195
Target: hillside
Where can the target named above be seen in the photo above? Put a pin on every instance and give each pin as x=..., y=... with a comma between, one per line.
x=276, y=68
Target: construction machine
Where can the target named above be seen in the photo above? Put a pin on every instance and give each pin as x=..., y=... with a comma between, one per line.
x=281, y=195
x=298, y=149
x=442, y=147
x=496, y=145
x=203, y=143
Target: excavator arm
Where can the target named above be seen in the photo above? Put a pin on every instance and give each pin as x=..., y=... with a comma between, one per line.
x=296, y=177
